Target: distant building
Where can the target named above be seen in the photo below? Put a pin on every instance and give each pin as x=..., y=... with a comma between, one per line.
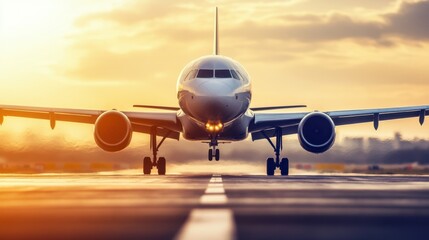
x=355, y=144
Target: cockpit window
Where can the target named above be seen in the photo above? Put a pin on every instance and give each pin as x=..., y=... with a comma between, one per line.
x=222, y=73
x=205, y=73
x=218, y=73
x=191, y=75
x=235, y=75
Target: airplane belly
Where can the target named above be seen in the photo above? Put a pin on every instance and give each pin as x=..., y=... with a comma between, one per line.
x=237, y=130
x=222, y=109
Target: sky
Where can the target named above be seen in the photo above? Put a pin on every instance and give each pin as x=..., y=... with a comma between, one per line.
x=104, y=54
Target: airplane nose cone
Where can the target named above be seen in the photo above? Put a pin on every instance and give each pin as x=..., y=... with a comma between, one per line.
x=213, y=108
x=214, y=100
x=216, y=105
x=216, y=87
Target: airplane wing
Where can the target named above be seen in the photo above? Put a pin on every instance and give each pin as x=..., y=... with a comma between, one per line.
x=265, y=124
x=166, y=123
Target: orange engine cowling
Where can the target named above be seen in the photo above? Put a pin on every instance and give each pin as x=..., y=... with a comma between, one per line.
x=112, y=131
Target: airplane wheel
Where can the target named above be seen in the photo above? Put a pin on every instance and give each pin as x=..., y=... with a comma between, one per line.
x=161, y=166
x=217, y=155
x=147, y=165
x=271, y=166
x=210, y=154
x=284, y=167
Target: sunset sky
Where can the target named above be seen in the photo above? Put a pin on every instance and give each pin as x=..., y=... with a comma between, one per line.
x=103, y=54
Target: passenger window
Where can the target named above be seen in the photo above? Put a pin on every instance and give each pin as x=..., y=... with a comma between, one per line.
x=235, y=75
x=205, y=73
x=223, y=73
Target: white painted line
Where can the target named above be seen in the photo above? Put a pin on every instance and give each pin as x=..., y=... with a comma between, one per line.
x=215, y=185
x=208, y=224
x=216, y=180
x=215, y=193
x=215, y=188
x=213, y=199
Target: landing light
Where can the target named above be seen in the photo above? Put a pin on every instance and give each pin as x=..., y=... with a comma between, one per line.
x=214, y=127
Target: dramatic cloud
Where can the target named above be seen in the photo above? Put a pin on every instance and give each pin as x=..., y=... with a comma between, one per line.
x=409, y=22
x=145, y=36
x=333, y=27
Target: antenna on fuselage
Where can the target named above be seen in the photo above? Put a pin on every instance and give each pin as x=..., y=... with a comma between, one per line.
x=216, y=35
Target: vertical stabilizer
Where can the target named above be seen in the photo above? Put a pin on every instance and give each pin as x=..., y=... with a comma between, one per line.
x=216, y=35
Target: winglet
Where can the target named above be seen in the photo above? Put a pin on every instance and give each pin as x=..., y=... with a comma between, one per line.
x=216, y=36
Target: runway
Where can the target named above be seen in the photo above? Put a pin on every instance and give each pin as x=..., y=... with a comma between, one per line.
x=132, y=206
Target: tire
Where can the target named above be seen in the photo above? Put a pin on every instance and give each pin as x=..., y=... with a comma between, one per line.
x=284, y=167
x=217, y=155
x=147, y=165
x=161, y=166
x=271, y=166
x=210, y=154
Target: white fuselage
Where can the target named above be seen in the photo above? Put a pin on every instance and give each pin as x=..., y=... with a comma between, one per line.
x=214, y=93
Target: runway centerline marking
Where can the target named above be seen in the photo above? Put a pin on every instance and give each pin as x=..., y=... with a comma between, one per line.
x=206, y=223
x=215, y=193
x=215, y=188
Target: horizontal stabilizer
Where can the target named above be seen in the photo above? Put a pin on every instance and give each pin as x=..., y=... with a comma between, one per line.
x=277, y=107
x=158, y=107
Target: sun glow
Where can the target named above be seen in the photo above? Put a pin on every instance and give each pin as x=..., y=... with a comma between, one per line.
x=23, y=17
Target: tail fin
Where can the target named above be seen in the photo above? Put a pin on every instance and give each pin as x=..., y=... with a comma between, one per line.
x=216, y=35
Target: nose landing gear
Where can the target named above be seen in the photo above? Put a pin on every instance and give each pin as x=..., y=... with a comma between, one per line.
x=216, y=154
x=214, y=150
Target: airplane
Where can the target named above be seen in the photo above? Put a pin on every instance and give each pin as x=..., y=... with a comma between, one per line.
x=214, y=95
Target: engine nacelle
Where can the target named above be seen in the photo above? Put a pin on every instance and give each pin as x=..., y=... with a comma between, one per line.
x=112, y=131
x=316, y=132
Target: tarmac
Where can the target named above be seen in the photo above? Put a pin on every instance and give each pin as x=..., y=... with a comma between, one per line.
x=207, y=206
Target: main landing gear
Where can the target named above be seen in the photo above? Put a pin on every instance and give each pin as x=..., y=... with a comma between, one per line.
x=214, y=150
x=160, y=164
x=273, y=163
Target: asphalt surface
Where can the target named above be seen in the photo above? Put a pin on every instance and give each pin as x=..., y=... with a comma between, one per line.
x=124, y=206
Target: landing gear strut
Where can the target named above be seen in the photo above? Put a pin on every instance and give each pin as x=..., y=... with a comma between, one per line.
x=214, y=150
x=272, y=163
x=160, y=163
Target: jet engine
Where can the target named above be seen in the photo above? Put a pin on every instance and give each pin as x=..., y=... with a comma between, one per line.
x=112, y=131
x=316, y=132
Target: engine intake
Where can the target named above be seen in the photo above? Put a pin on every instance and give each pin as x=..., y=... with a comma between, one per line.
x=316, y=132
x=112, y=131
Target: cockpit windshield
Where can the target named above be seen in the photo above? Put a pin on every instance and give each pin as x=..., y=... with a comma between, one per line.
x=191, y=74
x=217, y=73
x=236, y=75
x=222, y=73
x=205, y=73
